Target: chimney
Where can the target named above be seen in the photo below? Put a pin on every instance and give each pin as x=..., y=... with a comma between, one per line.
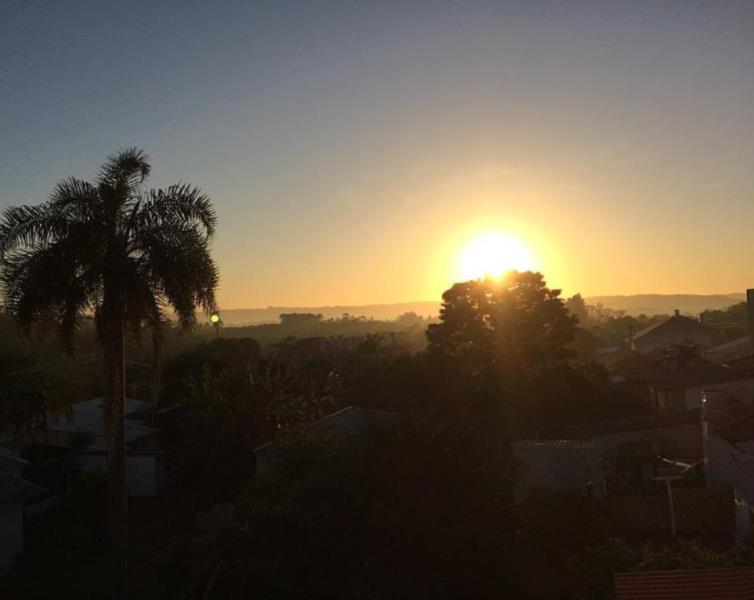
x=677, y=312
x=750, y=313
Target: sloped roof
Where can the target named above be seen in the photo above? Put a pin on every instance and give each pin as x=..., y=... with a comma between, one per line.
x=733, y=350
x=11, y=458
x=627, y=362
x=88, y=416
x=734, y=583
x=351, y=419
x=551, y=444
x=633, y=423
x=702, y=373
x=677, y=324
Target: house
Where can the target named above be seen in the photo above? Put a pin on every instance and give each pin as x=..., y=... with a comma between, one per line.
x=716, y=515
x=678, y=388
x=12, y=494
x=674, y=331
x=728, y=441
x=560, y=465
x=83, y=424
x=733, y=583
x=625, y=364
x=82, y=427
x=48, y=475
x=672, y=435
x=738, y=353
x=351, y=421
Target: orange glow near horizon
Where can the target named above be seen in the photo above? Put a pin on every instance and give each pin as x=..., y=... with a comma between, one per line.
x=492, y=254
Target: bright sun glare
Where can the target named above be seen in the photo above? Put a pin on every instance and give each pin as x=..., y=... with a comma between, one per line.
x=493, y=254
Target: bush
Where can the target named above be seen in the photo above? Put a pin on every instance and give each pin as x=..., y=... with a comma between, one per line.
x=415, y=509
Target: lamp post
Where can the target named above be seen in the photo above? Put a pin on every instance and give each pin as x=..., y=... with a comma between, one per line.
x=216, y=321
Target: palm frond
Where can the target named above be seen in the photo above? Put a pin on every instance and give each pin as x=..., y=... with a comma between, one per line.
x=47, y=284
x=127, y=168
x=28, y=225
x=74, y=193
x=178, y=204
x=182, y=269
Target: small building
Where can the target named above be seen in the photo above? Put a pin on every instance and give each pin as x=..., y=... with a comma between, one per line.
x=12, y=493
x=625, y=364
x=728, y=441
x=716, y=515
x=559, y=465
x=673, y=435
x=82, y=427
x=83, y=424
x=347, y=422
x=674, y=331
x=676, y=390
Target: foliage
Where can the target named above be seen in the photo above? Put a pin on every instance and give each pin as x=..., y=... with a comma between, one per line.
x=503, y=352
x=506, y=324
x=579, y=309
x=31, y=389
x=414, y=509
x=409, y=328
x=237, y=401
x=58, y=257
x=120, y=252
x=589, y=574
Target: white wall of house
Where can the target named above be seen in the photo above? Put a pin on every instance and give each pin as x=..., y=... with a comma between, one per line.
x=146, y=474
x=543, y=466
x=11, y=533
x=676, y=441
x=743, y=522
x=729, y=465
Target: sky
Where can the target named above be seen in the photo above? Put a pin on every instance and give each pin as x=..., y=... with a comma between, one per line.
x=354, y=149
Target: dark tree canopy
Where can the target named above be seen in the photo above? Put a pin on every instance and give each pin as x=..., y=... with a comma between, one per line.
x=496, y=341
x=121, y=252
x=59, y=257
x=508, y=323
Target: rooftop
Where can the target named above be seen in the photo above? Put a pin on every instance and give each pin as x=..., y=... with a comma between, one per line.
x=551, y=444
x=701, y=373
x=733, y=350
x=353, y=419
x=88, y=416
x=734, y=583
x=633, y=423
x=627, y=362
x=675, y=324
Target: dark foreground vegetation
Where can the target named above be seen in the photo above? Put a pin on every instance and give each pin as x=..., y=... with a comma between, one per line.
x=419, y=505
x=421, y=502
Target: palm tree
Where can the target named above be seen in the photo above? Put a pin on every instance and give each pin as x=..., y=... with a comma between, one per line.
x=121, y=253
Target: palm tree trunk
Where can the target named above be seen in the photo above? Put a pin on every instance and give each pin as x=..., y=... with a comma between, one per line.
x=115, y=394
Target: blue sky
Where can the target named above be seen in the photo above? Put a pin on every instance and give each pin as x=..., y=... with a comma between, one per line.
x=353, y=148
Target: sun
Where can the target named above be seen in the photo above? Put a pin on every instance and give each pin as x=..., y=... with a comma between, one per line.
x=493, y=254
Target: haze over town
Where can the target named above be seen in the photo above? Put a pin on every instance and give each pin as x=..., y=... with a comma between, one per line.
x=377, y=300
x=354, y=150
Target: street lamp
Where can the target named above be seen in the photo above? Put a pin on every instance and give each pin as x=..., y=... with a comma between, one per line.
x=216, y=321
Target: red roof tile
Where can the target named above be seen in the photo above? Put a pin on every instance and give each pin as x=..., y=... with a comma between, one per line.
x=736, y=583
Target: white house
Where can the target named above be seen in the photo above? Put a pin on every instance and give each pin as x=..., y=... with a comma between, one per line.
x=348, y=421
x=11, y=509
x=82, y=426
x=560, y=465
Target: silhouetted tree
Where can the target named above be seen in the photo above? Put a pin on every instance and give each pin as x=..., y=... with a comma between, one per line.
x=578, y=308
x=498, y=336
x=120, y=251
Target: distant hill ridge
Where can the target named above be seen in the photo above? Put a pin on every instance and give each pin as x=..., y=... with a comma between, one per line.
x=655, y=304
x=635, y=304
